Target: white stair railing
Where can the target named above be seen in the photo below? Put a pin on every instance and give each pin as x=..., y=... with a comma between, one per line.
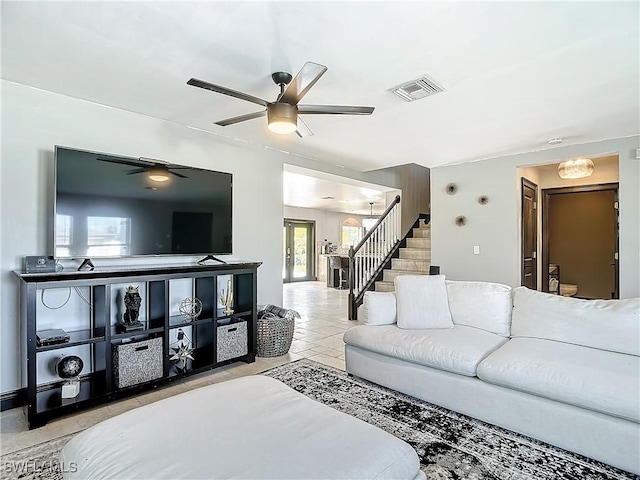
x=367, y=259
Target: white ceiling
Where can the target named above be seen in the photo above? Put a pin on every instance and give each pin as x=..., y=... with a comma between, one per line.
x=515, y=73
x=320, y=191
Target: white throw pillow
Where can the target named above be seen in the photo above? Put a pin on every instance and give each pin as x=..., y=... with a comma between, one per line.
x=422, y=302
x=484, y=305
x=612, y=325
x=378, y=308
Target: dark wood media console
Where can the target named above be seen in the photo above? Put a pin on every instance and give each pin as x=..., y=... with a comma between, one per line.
x=93, y=335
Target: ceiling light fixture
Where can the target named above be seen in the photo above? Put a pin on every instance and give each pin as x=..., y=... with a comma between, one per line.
x=370, y=221
x=555, y=141
x=577, y=168
x=159, y=174
x=282, y=118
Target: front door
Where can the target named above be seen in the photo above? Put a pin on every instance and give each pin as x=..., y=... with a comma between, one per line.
x=298, y=250
x=529, y=234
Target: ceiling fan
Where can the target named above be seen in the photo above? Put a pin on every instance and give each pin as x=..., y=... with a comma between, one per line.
x=158, y=170
x=283, y=113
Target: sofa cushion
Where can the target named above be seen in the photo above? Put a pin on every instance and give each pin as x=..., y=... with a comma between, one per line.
x=378, y=308
x=599, y=380
x=248, y=428
x=422, y=302
x=457, y=350
x=482, y=305
x=605, y=324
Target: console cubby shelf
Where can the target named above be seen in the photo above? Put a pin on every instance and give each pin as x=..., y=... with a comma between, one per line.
x=48, y=399
x=97, y=337
x=135, y=333
x=77, y=337
x=178, y=321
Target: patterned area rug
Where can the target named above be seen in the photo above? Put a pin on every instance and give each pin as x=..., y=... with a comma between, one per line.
x=450, y=446
x=39, y=462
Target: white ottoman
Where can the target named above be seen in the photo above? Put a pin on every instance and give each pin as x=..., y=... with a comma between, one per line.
x=248, y=428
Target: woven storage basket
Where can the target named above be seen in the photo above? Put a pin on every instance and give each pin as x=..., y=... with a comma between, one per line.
x=274, y=335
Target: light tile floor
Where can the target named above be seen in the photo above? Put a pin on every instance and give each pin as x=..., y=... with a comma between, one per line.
x=317, y=336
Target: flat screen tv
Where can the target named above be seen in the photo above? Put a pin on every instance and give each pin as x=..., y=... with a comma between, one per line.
x=113, y=206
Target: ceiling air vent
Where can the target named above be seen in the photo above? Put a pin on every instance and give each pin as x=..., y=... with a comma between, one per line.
x=416, y=89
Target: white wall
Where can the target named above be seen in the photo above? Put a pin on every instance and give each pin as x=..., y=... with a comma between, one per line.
x=495, y=227
x=33, y=121
x=327, y=223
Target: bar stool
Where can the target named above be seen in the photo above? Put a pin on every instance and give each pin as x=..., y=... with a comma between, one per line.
x=342, y=265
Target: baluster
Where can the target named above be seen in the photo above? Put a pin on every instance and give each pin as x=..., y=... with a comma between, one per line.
x=369, y=256
x=375, y=251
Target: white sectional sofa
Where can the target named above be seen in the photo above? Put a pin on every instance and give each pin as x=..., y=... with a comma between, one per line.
x=565, y=371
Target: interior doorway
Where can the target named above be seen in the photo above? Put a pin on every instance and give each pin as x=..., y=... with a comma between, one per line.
x=580, y=235
x=529, y=271
x=298, y=250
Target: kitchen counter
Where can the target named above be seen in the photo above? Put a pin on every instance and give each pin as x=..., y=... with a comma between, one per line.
x=326, y=274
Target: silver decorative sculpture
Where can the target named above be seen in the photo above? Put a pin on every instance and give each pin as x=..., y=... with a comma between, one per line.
x=190, y=308
x=183, y=352
x=227, y=298
x=69, y=368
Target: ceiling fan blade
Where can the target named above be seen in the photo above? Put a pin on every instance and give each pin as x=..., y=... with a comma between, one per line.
x=226, y=91
x=139, y=170
x=178, y=174
x=302, y=129
x=335, y=110
x=306, y=78
x=241, y=118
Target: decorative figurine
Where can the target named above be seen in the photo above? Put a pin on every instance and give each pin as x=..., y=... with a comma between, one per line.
x=69, y=368
x=183, y=352
x=132, y=301
x=190, y=309
x=227, y=298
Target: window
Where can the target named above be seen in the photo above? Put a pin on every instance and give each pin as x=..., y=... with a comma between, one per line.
x=368, y=223
x=350, y=236
x=108, y=236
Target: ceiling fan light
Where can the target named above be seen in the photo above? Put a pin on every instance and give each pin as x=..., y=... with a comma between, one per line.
x=282, y=118
x=158, y=175
x=577, y=168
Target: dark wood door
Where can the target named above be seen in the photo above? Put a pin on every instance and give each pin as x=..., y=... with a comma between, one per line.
x=529, y=234
x=581, y=235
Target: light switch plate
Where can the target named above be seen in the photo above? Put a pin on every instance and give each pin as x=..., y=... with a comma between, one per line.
x=476, y=249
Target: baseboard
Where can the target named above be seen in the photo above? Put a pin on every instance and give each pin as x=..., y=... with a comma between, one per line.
x=15, y=399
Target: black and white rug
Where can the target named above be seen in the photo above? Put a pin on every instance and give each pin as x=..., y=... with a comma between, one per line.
x=449, y=445
x=38, y=462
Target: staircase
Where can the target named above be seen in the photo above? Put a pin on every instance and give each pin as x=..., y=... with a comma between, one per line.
x=383, y=254
x=414, y=259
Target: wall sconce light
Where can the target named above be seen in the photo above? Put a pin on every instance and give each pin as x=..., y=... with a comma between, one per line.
x=578, y=168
